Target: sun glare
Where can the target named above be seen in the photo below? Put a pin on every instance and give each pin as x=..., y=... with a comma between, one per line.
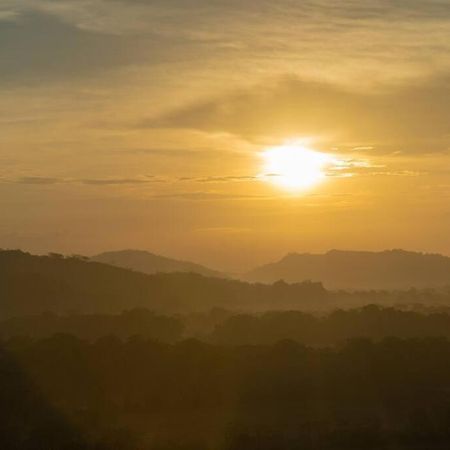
x=295, y=167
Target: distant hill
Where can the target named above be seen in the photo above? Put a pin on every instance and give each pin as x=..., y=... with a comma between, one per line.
x=32, y=284
x=145, y=262
x=391, y=269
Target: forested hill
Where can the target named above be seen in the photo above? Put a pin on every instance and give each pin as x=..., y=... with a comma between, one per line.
x=34, y=284
x=338, y=269
x=149, y=263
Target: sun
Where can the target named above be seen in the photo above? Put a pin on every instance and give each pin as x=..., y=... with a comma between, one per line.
x=295, y=167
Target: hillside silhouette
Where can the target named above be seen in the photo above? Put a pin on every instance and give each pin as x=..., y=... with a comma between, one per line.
x=32, y=284
x=146, y=262
x=337, y=269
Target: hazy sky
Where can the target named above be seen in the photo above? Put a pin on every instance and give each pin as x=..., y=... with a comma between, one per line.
x=141, y=124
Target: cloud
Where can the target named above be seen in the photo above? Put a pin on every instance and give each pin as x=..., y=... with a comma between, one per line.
x=138, y=180
x=221, y=179
x=206, y=195
x=131, y=15
x=39, y=180
x=117, y=181
x=346, y=167
x=411, y=118
x=72, y=38
x=129, y=181
x=8, y=15
x=43, y=180
x=371, y=171
x=175, y=152
x=38, y=47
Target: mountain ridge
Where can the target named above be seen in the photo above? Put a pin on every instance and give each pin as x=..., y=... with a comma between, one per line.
x=350, y=269
x=151, y=263
x=31, y=284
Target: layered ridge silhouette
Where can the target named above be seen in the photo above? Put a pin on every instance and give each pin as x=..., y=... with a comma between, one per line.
x=338, y=269
x=146, y=262
x=32, y=284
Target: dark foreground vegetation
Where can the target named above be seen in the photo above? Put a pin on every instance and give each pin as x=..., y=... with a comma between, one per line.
x=65, y=393
x=226, y=327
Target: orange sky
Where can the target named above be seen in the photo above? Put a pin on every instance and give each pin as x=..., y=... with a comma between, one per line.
x=134, y=124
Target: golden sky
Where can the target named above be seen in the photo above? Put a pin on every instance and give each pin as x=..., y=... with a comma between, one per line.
x=143, y=124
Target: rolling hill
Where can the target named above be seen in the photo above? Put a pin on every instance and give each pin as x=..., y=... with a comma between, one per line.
x=145, y=262
x=31, y=284
x=337, y=269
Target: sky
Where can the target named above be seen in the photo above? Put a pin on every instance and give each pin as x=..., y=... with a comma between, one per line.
x=144, y=124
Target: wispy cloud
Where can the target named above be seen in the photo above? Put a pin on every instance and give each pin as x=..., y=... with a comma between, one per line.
x=339, y=169
x=412, y=118
x=8, y=15
x=208, y=195
x=39, y=180
x=117, y=181
x=220, y=179
x=265, y=35
x=43, y=180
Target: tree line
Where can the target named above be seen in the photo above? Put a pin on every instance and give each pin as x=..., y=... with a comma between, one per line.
x=225, y=327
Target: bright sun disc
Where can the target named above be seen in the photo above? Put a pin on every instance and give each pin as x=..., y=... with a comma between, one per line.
x=295, y=167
